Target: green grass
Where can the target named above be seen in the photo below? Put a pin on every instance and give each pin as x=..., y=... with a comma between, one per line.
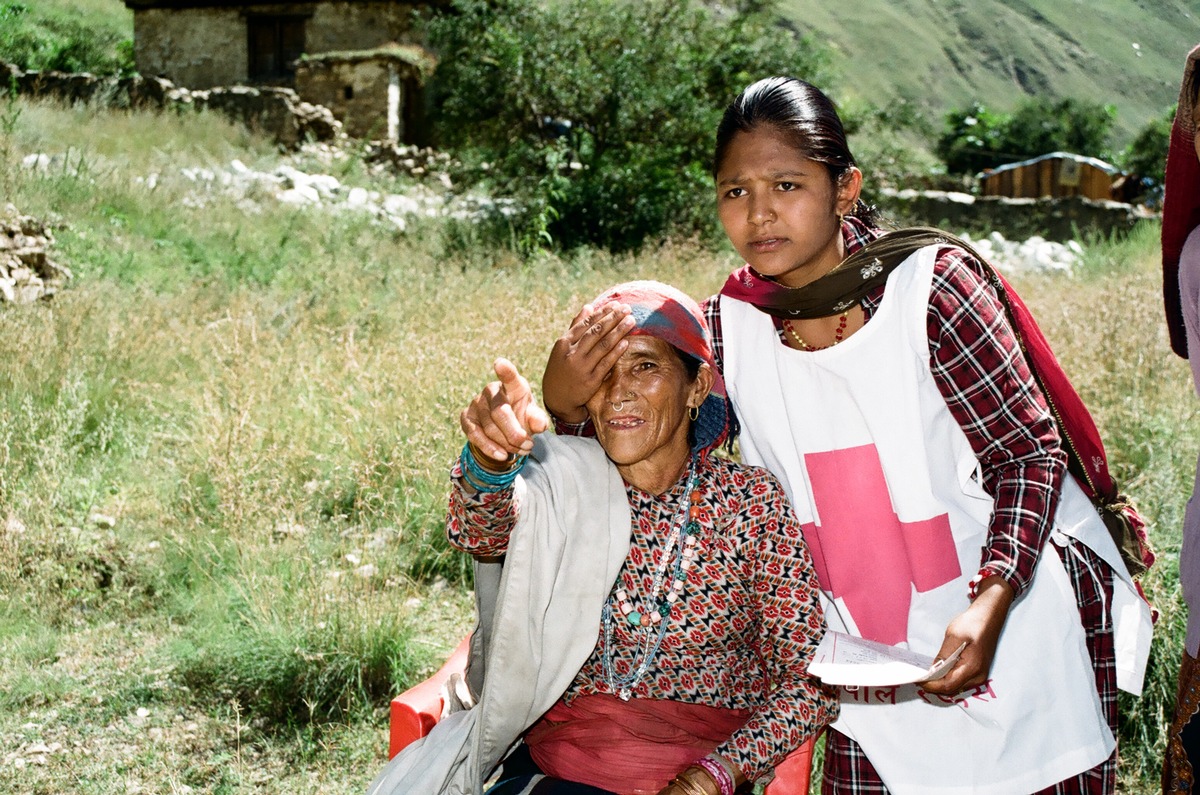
x=265, y=401
x=67, y=35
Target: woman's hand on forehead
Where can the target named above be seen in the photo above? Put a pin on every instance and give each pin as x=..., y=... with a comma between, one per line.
x=582, y=357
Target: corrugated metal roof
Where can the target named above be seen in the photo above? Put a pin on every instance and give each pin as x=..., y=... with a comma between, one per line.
x=1091, y=161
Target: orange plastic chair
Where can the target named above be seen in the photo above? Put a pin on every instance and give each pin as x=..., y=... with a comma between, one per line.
x=415, y=712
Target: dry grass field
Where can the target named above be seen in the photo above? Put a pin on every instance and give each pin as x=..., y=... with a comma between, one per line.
x=223, y=453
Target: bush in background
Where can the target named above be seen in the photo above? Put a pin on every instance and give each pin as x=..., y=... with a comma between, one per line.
x=1146, y=155
x=599, y=114
x=975, y=138
x=66, y=38
x=890, y=143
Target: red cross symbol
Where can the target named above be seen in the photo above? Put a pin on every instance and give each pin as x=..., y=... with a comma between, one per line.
x=863, y=553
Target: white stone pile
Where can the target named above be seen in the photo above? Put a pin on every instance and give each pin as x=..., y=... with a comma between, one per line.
x=289, y=185
x=1033, y=255
x=26, y=271
x=433, y=196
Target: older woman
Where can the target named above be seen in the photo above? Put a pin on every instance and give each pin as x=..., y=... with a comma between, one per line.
x=657, y=608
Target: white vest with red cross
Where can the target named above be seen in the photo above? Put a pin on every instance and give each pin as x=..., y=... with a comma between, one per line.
x=887, y=488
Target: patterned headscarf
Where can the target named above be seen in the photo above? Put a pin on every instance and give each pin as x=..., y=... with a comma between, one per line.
x=662, y=311
x=1181, y=201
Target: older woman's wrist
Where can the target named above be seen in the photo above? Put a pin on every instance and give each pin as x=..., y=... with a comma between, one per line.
x=491, y=464
x=725, y=774
x=481, y=479
x=709, y=775
x=694, y=780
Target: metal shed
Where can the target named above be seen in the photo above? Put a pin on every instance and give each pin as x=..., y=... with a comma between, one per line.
x=1055, y=175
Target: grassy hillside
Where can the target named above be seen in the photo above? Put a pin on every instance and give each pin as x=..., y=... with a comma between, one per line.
x=936, y=54
x=942, y=54
x=67, y=35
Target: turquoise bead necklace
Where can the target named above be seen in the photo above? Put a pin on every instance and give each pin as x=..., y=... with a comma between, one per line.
x=649, y=624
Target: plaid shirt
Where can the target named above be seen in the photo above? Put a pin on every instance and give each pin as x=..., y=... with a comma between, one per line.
x=983, y=375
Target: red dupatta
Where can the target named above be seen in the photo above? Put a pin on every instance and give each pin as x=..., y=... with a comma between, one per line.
x=1181, y=203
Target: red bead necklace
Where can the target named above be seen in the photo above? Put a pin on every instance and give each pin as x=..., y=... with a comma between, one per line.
x=838, y=334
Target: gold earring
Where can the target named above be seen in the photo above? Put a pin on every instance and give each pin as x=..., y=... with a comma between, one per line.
x=693, y=413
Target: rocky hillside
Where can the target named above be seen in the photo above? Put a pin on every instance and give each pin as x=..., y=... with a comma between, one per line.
x=943, y=54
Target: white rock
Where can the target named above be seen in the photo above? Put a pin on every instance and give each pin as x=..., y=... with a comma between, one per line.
x=396, y=204
x=103, y=521
x=326, y=185
x=300, y=195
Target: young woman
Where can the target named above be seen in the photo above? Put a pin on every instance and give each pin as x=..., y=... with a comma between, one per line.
x=1181, y=283
x=900, y=413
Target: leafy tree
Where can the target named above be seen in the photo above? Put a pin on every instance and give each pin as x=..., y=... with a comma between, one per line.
x=1146, y=155
x=972, y=139
x=975, y=139
x=599, y=114
x=1041, y=126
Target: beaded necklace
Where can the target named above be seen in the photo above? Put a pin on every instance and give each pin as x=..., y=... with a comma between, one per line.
x=838, y=333
x=648, y=624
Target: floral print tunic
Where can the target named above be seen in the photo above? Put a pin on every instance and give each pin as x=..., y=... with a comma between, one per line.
x=745, y=626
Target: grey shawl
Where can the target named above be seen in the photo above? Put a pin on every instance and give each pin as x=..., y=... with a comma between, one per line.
x=544, y=600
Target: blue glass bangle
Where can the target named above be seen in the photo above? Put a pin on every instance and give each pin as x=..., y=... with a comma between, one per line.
x=481, y=479
x=475, y=485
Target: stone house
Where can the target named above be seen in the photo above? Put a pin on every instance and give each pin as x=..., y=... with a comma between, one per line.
x=353, y=55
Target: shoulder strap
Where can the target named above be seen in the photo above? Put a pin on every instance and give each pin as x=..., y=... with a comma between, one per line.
x=1087, y=460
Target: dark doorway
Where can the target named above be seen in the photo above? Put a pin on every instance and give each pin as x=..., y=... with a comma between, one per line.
x=275, y=44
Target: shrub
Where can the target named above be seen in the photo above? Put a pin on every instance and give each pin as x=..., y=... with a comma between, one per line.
x=599, y=115
x=1146, y=155
x=39, y=36
x=976, y=138
x=971, y=140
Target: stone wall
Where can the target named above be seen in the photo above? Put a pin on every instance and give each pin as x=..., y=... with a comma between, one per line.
x=26, y=271
x=197, y=47
x=208, y=47
x=356, y=92
x=277, y=113
x=358, y=26
x=1070, y=218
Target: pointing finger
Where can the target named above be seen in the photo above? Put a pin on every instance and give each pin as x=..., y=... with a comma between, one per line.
x=510, y=377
